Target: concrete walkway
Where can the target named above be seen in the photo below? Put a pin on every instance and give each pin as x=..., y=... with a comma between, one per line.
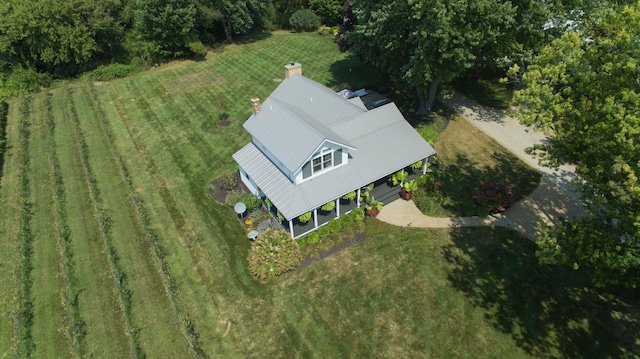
x=555, y=196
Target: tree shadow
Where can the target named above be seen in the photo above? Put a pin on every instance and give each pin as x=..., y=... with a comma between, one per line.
x=353, y=74
x=460, y=178
x=549, y=311
x=251, y=38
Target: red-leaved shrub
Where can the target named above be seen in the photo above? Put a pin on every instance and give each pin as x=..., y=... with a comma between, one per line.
x=494, y=197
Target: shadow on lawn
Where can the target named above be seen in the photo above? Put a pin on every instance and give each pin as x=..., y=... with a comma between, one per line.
x=550, y=311
x=462, y=177
x=352, y=74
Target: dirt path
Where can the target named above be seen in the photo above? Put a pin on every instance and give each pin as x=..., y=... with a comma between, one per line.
x=556, y=195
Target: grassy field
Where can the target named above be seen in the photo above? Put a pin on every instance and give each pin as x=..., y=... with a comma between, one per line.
x=111, y=246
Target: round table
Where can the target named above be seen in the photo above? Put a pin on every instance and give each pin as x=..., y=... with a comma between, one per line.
x=252, y=235
x=240, y=208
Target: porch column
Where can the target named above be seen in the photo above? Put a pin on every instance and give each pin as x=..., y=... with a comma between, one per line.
x=315, y=217
x=337, y=207
x=358, y=199
x=291, y=228
x=424, y=165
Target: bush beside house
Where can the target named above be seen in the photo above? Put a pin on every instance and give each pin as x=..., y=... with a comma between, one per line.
x=273, y=253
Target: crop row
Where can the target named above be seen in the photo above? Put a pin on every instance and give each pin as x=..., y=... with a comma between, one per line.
x=104, y=223
x=24, y=241
x=158, y=254
x=76, y=330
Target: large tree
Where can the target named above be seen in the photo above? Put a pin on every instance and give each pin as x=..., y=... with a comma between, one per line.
x=165, y=27
x=241, y=16
x=57, y=36
x=425, y=43
x=584, y=89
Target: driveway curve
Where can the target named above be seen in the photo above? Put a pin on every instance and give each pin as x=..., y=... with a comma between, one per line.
x=556, y=195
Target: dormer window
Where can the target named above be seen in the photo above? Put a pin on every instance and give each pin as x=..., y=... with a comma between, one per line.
x=322, y=161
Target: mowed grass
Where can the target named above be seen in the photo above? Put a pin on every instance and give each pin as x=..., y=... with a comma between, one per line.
x=151, y=151
x=470, y=159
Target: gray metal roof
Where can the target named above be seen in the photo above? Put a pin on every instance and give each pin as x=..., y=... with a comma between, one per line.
x=296, y=116
x=385, y=141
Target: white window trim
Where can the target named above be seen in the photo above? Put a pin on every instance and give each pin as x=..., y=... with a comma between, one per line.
x=324, y=170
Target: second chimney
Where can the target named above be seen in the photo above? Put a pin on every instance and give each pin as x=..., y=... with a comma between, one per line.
x=255, y=102
x=292, y=68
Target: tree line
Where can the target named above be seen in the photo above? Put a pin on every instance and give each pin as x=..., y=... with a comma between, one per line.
x=64, y=38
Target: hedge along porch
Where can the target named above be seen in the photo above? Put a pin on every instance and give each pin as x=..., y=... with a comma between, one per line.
x=311, y=146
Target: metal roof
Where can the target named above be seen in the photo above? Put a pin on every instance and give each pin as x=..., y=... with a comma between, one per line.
x=385, y=141
x=296, y=116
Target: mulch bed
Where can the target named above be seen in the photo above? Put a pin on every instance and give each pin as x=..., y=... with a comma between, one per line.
x=220, y=194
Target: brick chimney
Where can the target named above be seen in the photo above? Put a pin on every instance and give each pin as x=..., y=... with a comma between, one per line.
x=292, y=68
x=255, y=102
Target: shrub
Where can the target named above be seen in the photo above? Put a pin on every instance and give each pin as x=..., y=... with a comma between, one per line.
x=302, y=243
x=334, y=226
x=252, y=201
x=428, y=132
x=305, y=217
x=24, y=80
x=323, y=231
x=197, y=48
x=304, y=20
x=347, y=220
x=427, y=202
x=324, y=30
x=494, y=197
x=110, y=72
x=313, y=237
x=273, y=253
x=229, y=182
x=358, y=214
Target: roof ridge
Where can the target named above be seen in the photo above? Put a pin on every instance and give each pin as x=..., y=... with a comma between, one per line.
x=285, y=107
x=327, y=90
x=365, y=113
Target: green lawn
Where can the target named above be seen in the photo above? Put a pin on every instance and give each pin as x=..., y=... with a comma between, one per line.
x=131, y=256
x=470, y=158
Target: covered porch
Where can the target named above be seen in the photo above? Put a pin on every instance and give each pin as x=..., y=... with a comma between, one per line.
x=383, y=191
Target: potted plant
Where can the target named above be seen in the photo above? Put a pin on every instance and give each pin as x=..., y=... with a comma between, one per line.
x=365, y=193
x=350, y=196
x=407, y=189
x=329, y=206
x=305, y=217
x=373, y=207
x=398, y=177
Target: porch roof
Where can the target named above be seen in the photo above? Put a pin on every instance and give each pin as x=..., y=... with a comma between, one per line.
x=385, y=141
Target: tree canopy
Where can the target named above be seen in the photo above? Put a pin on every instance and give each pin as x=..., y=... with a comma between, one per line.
x=584, y=89
x=424, y=43
x=57, y=36
x=64, y=38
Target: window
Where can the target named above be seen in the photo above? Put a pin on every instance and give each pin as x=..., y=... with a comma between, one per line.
x=322, y=160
